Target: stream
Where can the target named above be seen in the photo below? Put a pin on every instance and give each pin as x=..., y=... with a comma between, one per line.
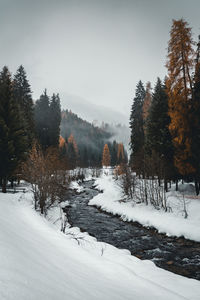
x=177, y=255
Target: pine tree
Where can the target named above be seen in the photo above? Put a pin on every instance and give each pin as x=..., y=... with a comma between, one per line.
x=113, y=153
x=195, y=120
x=106, y=156
x=73, y=155
x=147, y=102
x=42, y=120
x=22, y=95
x=137, y=130
x=179, y=89
x=13, y=140
x=54, y=120
x=158, y=138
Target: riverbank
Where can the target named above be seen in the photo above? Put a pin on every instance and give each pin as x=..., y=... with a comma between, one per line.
x=170, y=223
x=40, y=262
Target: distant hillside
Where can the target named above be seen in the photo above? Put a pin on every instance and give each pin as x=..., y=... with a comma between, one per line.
x=83, y=131
x=90, y=111
x=90, y=139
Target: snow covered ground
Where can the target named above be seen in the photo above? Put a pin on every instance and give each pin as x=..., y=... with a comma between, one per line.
x=171, y=223
x=37, y=261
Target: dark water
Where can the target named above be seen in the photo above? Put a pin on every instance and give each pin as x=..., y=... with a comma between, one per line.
x=177, y=255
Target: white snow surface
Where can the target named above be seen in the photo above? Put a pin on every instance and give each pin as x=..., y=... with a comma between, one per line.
x=37, y=261
x=172, y=223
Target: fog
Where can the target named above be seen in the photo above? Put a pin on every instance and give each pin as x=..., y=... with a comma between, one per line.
x=97, y=50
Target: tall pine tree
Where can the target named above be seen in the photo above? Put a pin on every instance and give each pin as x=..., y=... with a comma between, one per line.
x=55, y=119
x=23, y=97
x=42, y=121
x=195, y=120
x=13, y=140
x=137, y=129
x=158, y=137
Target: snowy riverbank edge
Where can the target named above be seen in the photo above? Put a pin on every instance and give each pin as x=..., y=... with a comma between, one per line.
x=40, y=262
x=169, y=223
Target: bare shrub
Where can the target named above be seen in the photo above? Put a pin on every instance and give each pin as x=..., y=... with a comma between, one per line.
x=45, y=173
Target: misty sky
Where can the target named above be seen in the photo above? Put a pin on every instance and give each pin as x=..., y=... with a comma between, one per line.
x=94, y=49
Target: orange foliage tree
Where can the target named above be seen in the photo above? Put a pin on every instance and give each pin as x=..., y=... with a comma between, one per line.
x=106, y=156
x=179, y=88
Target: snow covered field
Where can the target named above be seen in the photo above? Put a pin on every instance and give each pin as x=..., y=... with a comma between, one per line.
x=37, y=261
x=171, y=223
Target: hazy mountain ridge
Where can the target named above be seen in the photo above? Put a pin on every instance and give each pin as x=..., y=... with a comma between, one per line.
x=92, y=112
x=111, y=121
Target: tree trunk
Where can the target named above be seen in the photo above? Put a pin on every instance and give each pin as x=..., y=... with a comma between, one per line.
x=12, y=183
x=176, y=185
x=165, y=184
x=196, y=187
x=4, y=181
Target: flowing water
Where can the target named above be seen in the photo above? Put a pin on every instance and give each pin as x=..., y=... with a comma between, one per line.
x=177, y=255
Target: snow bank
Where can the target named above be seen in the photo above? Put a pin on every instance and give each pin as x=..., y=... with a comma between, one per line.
x=173, y=223
x=39, y=262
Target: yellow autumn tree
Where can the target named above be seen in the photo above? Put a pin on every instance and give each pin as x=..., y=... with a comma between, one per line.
x=61, y=142
x=179, y=88
x=106, y=156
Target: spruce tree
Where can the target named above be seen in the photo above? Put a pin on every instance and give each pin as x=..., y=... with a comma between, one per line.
x=195, y=120
x=147, y=102
x=137, y=130
x=42, y=120
x=54, y=120
x=158, y=138
x=13, y=140
x=23, y=97
x=113, y=153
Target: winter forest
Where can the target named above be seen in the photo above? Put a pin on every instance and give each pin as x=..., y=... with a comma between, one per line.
x=87, y=213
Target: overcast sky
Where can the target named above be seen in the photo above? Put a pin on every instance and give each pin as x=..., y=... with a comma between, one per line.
x=96, y=49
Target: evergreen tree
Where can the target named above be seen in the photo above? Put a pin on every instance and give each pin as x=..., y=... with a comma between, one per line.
x=179, y=88
x=13, y=140
x=106, y=156
x=42, y=120
x=22, y=95
x=158, y=137
x=71, y=156
x=137, y=130
x=147, y=102
x=195, y=120
x=55, y=119
x=113, y=153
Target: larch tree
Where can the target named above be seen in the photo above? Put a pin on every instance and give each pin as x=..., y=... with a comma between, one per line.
x=106, y=156
x=179, y=89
